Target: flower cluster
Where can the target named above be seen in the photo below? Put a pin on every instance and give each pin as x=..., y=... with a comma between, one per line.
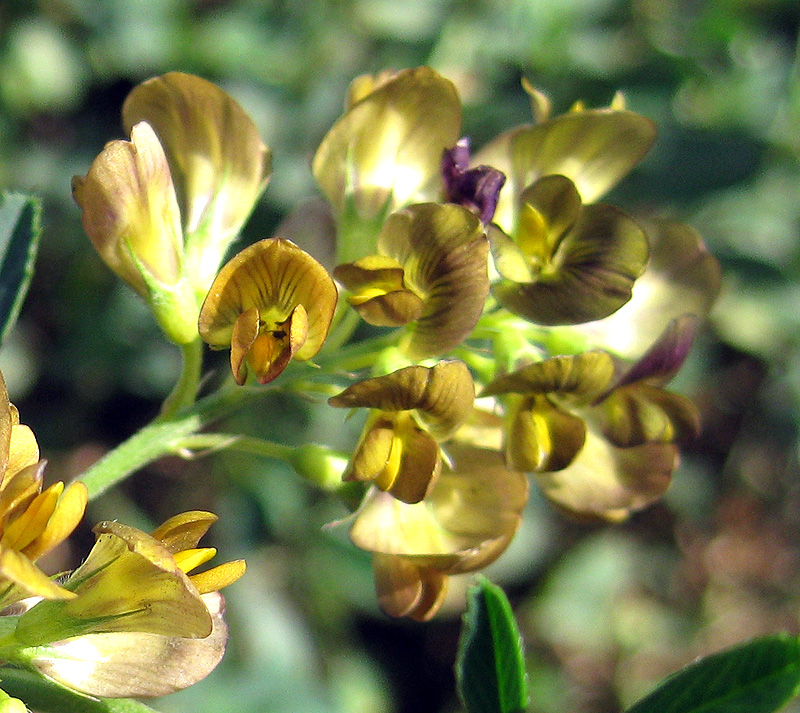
x=503, y=276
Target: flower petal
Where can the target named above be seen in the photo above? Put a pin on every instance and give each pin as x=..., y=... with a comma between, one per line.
x=442, y=395
x=595, y=148
x=184, y=531
x=129, y=582
x=273, y=276
x=135, y=664
x=580, y=377
x=67, y=514
x=398, y=456
x=405, y=589
x=20, y=578
x=682, y=277
x=219, y=163
x=377, y=291
x=130, y=211
x=641, y=413
x=444, y=252
x=542, y=436
x=388, y=146
x=607, y=483
x=592, y=274
x=472, y=506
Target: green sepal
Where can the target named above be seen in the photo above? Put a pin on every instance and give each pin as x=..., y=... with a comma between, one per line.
x=20, y=229
x=759, y=676
x=490, y=665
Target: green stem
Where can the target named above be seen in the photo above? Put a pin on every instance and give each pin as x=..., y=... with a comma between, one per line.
x=343, y=330
x=160, y=438
x=243, y=444
x=184, y=392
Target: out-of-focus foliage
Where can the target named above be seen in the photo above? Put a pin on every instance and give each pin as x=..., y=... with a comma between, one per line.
x=606, y=611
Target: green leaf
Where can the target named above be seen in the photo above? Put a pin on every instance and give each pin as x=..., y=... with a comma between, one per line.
x=20, y=228
x=47, y=696
x=757, y=677
x=490, y=667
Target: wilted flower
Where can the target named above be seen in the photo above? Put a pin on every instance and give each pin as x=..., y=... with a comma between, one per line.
x=465, y=522
x=385, y=152
x=599, y=446
x=430, y=271
x=272, y=302
x=413, y=410
x=163, y=208
x=32, y=521
x=138, y=624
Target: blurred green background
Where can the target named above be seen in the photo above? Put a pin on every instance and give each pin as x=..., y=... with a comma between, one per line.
x=606, y=611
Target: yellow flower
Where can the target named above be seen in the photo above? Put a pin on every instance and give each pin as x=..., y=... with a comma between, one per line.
x=163, y=208
x=412, y=411
x=139, y=624
x=466, y=521
x=431, y=271
x=272, y=302
x=32, y=521
x=568, y=263
x=599, y=445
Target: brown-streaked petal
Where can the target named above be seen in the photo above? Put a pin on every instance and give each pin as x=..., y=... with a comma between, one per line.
x=608, y=483
x=442, y=395
x=219, y=163
x=444, y=252
x=372, y=451
x=641, y=413
x=388, y=145
x=273, y=276
x=592, y=272
x=581, y=377
x=130, y=210
x=682, y=277
x=378, y=292
x=416, y=462
x=135, y=664
x=542, y=437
